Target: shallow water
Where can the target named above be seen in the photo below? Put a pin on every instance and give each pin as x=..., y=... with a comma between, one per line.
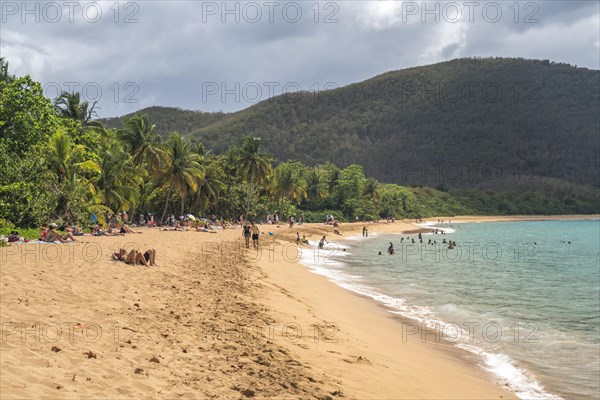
x=517, y=294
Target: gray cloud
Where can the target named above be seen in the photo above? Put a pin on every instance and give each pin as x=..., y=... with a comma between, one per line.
x=177, y=50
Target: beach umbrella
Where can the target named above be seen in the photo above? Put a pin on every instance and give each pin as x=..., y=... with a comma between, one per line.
x=190, y=216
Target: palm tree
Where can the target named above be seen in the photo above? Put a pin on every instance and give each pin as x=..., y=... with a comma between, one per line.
x=182, y=169
x=315, y=187
x=288, y=184
x=68, y=162
x=210, y=187
x=143, y=142
x=120, y=180
x=69, y=105
x=370, y=190
x=334, y=180
x=253, y=166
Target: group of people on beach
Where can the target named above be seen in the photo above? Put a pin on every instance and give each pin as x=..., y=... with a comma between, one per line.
x=250, y=230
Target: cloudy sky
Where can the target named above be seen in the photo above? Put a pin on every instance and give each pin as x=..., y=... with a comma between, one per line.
x=225, y=56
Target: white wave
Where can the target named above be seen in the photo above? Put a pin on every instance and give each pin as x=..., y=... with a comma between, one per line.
x=500, y=365
x=430, y=225
x=515, y=378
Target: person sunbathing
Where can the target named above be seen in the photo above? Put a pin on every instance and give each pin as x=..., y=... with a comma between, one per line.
x=120, y=256
x=98, y=231
x=43, y=232
x=54, y=236
x=135, y=257
x=126, y=229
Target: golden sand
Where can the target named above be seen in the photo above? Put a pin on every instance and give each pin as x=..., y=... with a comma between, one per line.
x=212, y=321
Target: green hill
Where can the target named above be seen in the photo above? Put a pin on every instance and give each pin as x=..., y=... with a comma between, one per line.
x=473, y=123
x=169, y=119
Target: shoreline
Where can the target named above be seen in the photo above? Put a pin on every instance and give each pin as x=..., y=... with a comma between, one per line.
x=77, y=324
x=508, y=376
x=463, y=219
x=383, y=348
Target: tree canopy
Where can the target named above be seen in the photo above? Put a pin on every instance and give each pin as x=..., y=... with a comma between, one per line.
x=56, y=164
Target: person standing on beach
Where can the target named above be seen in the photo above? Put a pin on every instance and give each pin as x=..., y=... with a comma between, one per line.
x=298, y=238
x=364, y=230
x=255, y=232
x=246, y=234
x=391, y=249
x=322, y=242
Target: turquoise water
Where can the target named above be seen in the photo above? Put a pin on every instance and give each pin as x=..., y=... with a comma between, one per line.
x=517, y=294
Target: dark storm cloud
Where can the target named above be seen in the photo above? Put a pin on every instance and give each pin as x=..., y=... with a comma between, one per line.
x=199, y=55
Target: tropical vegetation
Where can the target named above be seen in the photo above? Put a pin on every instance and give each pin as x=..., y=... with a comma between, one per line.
x=59, y=164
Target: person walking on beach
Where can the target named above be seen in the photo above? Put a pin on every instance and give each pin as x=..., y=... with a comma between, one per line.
x=364, y=230
x=298, y=240
x=246, y=234
x=255, y=233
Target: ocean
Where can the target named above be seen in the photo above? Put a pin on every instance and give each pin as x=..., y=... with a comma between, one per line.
x=524, y=297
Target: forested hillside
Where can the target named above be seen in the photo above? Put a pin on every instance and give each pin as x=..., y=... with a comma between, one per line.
x=169, y=119
x=491, y=123
x=525, y=118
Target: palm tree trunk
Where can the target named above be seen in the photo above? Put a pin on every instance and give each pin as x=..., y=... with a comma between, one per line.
x=162, y=219
x=181, y=206
x=249, y=197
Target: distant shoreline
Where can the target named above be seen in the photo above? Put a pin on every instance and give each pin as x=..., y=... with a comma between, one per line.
x=507, y=218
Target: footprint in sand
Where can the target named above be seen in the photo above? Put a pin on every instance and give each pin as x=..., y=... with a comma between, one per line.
x=360, y=360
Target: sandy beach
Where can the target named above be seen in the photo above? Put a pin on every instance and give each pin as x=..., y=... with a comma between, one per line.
x=212, y=321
